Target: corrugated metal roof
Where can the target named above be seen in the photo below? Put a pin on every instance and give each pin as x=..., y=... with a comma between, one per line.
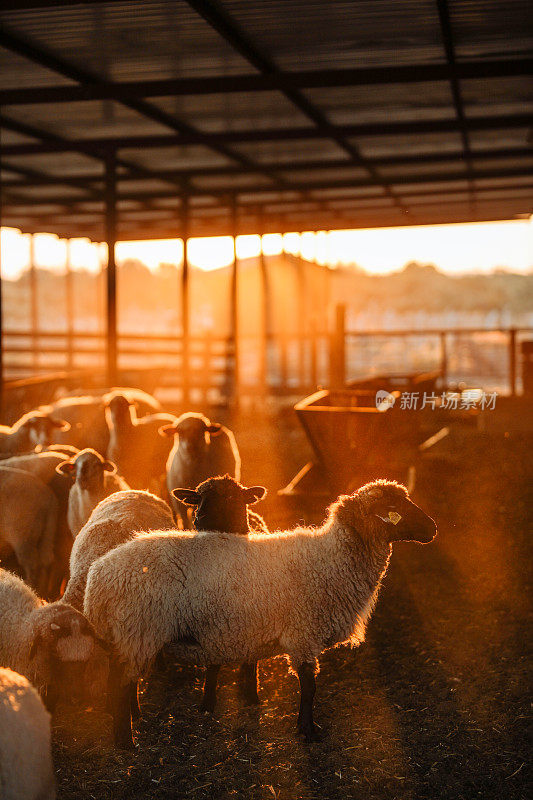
x=309, y=113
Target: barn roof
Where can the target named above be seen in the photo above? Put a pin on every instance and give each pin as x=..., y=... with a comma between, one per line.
x=265, y=115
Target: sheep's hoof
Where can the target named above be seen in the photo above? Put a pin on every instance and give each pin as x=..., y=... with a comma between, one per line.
x=125, y=743
x=310, y=732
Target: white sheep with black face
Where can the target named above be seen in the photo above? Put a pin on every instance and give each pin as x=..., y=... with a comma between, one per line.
x=202, y=449
x=134, y=445
x=94, y=478
x=26, y=769
x=34, y=429
x=51, y=644
x=223, y=598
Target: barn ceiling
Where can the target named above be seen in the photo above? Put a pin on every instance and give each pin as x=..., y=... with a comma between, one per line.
x=265, y=115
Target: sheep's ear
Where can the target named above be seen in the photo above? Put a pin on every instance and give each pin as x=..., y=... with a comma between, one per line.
x=66, y=468
x=188, y=497
x=214, y=428
x=62, y=424
x=167, y=430
x=254, y=494
x=110, y=467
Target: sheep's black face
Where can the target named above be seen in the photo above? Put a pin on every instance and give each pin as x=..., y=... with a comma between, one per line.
x=77, y=658
x=219, y=512
x=403, y=520
x=87, y=468
x=220, y=504
x=41, y=430
x=119, y=409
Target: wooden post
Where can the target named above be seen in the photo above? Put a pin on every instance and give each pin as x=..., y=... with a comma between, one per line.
x=234, y=307
x=111, y=283
x=264, y=337
x=34, y=306
x=185, y=317
x=512, y=361
x=443, y=359
x=302, y=303
x=69, y=296
x=337, y=355
x=1, y=323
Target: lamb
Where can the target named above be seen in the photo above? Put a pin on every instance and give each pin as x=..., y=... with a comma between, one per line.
x=139, y=453
x=43, y=465
x=32, y=429
x=52, y=645
x=28, y=524
x=94, y=479
x=202, y=450
x=26, y=769
x=221, y=504
x=224, y=598
x=85, y=416
x=112, y=522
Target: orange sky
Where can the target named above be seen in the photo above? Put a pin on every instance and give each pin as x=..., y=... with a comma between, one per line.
x=453, y=248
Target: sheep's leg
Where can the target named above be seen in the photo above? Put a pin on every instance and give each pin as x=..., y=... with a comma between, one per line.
x=135, y=708
x=248, y=683
x=210, y=688
x=50, y=697
x=119, y=695
x=306, y=725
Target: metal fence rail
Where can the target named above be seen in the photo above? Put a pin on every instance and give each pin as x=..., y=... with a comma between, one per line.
x=275, y=364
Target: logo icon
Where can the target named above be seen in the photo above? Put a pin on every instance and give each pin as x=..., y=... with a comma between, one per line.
x=384, y=400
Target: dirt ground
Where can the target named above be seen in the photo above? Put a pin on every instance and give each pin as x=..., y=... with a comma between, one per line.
x=433, y=705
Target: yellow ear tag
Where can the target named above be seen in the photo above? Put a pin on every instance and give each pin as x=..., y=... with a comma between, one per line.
x=394, y=517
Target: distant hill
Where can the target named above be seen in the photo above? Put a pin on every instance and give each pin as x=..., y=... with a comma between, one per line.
x=296, y=291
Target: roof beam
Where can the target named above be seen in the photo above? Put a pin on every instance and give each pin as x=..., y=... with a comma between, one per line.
x=402, y=160
x=52, y=62
x=449, y=48
x=315, y=79
x=374, y=129
x=400, y=180
x=222, y=23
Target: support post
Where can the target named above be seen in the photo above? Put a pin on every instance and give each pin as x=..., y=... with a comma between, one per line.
x=512, y=361
x=264, y=335
x=69, y=300
x=443, y=359
x=34, y=306
x=234, y=307
x=111, y=275
x=2, y=406
x=185, y=316
x=337, y=356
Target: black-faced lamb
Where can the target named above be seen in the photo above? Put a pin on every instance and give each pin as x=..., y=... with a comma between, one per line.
x=28, y=525
x=224, y=598
x=53, y=645
x=36, y=428
x=26, y=769
x=202, y=450
x=94, y=478
x=222, y=504
x=134, y=445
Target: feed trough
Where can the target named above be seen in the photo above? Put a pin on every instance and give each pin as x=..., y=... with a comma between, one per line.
x=363, y=432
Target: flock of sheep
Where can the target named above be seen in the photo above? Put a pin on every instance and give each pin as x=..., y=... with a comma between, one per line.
x=126, y=530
